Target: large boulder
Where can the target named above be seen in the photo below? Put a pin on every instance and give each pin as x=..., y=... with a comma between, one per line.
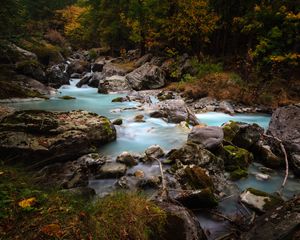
x=146, y=77
x=285, y=125
x=241, y=134
x=57, y=76
x=113, y=84
x=174, y=111
x=40, y=137
x=280, y=223
x=208, y=137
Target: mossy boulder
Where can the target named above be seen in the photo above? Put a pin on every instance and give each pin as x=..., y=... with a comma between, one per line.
x=192, y=153
x=243, y=135
x=236, y=158
x=260, y=201
x=197, y=178
x=41, y=137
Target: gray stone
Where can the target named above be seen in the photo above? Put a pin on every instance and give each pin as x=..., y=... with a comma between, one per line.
x=84, y=80
x=56, y=76
x=208, y=137
x=127, y=159
x=112, y=170
x=154, y=151
x=113, y=84
x=41, y=138
x=174, y=111
x=146, y=77
x=285, y=125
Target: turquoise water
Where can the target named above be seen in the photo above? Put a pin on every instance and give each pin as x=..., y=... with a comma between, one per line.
x=132, y=136
x=136, y=137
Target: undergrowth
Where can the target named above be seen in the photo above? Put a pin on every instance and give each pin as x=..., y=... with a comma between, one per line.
x=28, y=212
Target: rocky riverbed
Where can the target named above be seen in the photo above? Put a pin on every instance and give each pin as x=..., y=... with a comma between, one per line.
x=158, y=142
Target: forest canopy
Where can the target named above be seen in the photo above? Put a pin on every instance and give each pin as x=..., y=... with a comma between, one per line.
x=265, y=34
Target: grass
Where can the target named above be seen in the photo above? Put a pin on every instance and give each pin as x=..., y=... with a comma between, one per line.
x=28, y=211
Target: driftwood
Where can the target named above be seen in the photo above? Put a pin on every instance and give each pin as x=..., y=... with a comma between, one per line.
x=286, y=163
x=163, y=194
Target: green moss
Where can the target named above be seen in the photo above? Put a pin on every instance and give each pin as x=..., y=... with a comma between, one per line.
x=236, y=158
x=230, y=130
x=118, y=99
x=106, y=125
x=272, y=200
x=67, y=98
x=197, y=178
x=238, y=174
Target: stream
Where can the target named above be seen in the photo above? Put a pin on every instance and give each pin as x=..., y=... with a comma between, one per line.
x=136, y=137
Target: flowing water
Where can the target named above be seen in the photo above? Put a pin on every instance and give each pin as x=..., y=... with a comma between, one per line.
x=136, y=137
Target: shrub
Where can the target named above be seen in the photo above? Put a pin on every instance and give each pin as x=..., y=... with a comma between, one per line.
x=206, y=67
x=55, y=37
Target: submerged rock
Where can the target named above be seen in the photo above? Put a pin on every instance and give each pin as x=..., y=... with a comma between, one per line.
x=207, y=137
x=118, y=121
x=41, y=137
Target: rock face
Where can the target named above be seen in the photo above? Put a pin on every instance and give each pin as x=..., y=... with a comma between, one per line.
x=113, y=84
x=285, y=125
x=181, y=224
x=174, y=111
x=147, y=76
x=42, y=138
x=56, y=76
x=280, y=223
x=208, y=137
